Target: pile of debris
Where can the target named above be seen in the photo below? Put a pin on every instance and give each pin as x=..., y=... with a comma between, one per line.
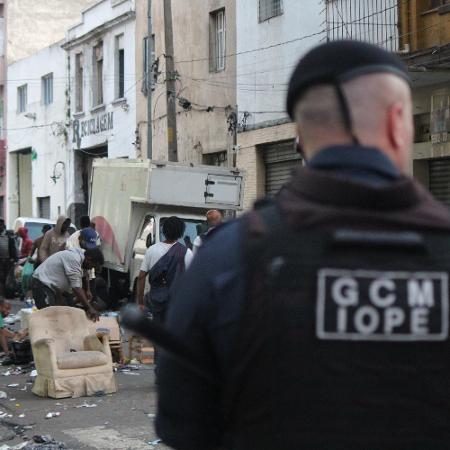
x=37, y=443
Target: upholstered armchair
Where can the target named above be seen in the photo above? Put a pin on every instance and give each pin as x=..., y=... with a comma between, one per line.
x=70, y=362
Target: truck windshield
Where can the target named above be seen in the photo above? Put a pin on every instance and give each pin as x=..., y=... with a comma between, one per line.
x=194, y=227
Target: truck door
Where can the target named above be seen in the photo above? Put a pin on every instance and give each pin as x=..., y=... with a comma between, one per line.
x=223, y=189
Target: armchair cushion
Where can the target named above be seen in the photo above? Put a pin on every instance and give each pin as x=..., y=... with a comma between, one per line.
x=81, y=360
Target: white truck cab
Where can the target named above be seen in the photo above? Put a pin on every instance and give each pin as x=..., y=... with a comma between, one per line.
x=131, y=198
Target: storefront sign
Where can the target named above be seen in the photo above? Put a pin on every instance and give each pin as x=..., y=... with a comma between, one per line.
x=96, y=125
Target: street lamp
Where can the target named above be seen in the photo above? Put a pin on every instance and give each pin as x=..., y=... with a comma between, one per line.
x=55, y=177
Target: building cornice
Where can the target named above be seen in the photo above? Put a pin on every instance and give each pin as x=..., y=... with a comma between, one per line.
x=97, y=32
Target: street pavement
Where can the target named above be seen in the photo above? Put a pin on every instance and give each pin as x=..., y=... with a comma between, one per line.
x=122, y=421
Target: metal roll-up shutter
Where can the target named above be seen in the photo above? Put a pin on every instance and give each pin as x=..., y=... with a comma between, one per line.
x=280, y=159
x=439, y=178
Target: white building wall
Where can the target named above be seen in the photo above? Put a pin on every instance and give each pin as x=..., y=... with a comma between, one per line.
x=267, y=53
x=46, y=135
x=103, y=21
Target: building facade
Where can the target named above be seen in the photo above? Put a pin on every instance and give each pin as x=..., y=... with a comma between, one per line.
x=2, y=109
x=38, y=162
x=418, y=30
x=204, y=79
x=26, y=26
x=101, y=107
x=425, y=37
x=272, y=35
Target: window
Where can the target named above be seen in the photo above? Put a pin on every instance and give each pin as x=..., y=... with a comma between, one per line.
x=215, y=159
x=22, y=98
x=120, y=67
x=147, y=230
x=44, y=207
x=149, y=74
x=47, y=89
x=269, y=9
x=97, y=65
x=194, y=227
x=217, y=40
x=79, y=82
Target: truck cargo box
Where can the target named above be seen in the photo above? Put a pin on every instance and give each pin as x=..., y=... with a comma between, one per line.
x=160, y=184
x=196, y=186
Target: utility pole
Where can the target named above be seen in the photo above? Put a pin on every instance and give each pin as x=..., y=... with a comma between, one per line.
x=149, y=80
x=232, y=120
x=170, y=83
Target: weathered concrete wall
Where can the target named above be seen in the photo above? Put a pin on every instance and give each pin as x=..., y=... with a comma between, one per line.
x=33, y=25
x=198, y=131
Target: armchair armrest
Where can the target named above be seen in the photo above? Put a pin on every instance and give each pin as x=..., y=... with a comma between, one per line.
x=45, y=356
x=97, y=342
x=44, y=341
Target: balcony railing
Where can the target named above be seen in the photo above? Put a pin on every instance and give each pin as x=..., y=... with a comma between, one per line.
x=374, y=21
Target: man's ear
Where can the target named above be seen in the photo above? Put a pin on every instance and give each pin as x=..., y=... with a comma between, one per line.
x=396, y=126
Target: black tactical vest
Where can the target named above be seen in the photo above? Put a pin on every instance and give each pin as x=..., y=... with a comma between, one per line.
x=344, y=342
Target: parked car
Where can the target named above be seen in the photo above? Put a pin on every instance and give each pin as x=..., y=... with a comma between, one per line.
x=35, y=224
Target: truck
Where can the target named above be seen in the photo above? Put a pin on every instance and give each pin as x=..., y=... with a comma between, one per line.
x=130, y=199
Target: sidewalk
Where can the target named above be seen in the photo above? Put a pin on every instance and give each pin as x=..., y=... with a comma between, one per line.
x=120, y=421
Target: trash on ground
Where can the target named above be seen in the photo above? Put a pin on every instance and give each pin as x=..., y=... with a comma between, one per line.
x=44, y=443
x=155, y=442
x=22, y=415
x=33, y=373
x=3, y=394
x=13, y=385
x=87, y=405
x=52, y=414
x=12, y=399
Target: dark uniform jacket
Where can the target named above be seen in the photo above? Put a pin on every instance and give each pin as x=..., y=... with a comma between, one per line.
x=342, y=187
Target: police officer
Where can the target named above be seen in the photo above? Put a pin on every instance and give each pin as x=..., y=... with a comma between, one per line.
x=323, y=316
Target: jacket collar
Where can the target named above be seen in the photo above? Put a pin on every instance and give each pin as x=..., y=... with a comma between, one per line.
x=355, y=162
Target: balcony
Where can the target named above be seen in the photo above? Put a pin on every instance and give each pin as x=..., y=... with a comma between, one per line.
x=373, y=21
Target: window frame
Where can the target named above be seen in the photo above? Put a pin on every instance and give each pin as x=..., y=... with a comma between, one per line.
x=218, y=40
x=79, y=82
x=22, y=93
x=40, y=205
x=47, y=89
x=119, y=78
x=271, y=9
x=97, y=69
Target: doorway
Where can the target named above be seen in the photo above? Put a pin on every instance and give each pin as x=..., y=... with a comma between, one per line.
x=24, y=183
x=85, y=159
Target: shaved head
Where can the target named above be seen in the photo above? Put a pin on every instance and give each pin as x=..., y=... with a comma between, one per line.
x=380, y=107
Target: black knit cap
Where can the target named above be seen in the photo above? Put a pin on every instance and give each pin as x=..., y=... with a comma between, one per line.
x=339, y=61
